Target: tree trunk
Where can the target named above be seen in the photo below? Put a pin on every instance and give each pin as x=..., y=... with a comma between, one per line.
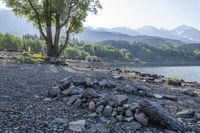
x=52, y=51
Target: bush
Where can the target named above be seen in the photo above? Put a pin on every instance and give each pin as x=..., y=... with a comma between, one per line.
x=30, y=57
x=92, y=59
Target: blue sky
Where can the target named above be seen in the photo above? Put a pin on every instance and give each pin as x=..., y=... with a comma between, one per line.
x=136, y=13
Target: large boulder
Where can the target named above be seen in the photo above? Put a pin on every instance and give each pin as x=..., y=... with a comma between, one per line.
x=72, y=90
x=65, y=83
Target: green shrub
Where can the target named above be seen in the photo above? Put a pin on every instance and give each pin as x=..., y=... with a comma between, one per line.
x=30, y=57
x=92, y=59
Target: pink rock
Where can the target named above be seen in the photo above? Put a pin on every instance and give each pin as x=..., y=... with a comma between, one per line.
x=141, y=117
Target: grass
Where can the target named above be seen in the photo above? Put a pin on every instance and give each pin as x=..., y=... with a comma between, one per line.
x=30, y=57
x=110, y=126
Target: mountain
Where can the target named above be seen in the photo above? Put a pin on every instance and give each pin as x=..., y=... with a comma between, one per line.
x=99, y=35
x=19, y=26
x=12, y=24
x=187, y=32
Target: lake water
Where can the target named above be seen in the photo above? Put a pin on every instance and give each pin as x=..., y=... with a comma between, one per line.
x=188, y=73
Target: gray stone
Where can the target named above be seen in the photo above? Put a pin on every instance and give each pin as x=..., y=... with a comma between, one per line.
x=118, y=77
x=100, y=108
x=119, y=118
x=128, y=119
x=162, y=116
x=133, y=126
x=91, y=115
x=107, y=110
x=72, y=99
x=114, y=113
x=92, y=106
x=72, y=90
x=89, y=94
x=120, y=99
x=134, y=106
x=47, y=99
x=78, y=102
x=77, y=126
x=59, y=121
x=65, y=83
x=98, y=128
x=169, y=131
x=103, y=83
x=186, y=113
x=53, y=92
x=129, y=113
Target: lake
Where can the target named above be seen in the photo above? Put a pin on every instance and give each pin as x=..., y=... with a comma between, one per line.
x=188, y=73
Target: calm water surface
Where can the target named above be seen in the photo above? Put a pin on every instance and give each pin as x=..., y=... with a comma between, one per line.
x=188, y=73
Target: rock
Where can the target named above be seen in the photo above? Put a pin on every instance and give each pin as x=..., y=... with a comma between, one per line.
x=59, y=121
x=186, y=113
x=170, y=97
x=129, y=113
x=65, y=83
x=100, y=108
x=118, y=77
x=72, y=90
x=160, y=115
x=134, y=106
x=114, y=113
x=77, y=126
x=120, y=99
x=190, y=93
x=174, y=82
x=98, y=128
x=47, y=99
x=89, y=94
x=119, y=118
x=141, y=117
x=36, y=96
x=78, y=102
x=72, y=99
x=169, y=131
x=133, y=126
x=129, y=89
x=91, y=115
x=103, y=83
x=53, y=92
x=128, y=119
x=92, y=106
x=107, y=110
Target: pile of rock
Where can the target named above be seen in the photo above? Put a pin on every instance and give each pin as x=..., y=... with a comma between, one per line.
x=114, y=107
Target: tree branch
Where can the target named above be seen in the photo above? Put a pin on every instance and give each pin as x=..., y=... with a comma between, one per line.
x=38, y=19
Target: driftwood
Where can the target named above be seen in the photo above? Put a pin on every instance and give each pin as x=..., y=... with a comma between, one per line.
x=162, y=116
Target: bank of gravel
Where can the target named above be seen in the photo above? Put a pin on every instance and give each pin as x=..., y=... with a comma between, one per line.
x=26, y=107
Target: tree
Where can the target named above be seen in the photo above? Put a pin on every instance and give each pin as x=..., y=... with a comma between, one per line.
x=55, y=17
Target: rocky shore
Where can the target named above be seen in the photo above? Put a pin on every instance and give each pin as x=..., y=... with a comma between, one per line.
x=47, y=98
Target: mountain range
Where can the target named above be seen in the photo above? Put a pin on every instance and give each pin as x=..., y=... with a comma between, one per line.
x=12, y=24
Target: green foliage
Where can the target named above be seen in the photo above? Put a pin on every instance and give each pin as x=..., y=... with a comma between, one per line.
x=158, y=53
x=10, y=42
x=74, y=54
x=92, y=59
x=110, y=126
x=176, y=78
x=62, y=15
x=16, y=43
x=94, y=52
x=196, y=52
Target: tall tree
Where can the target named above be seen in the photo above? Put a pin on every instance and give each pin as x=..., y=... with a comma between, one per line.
x=54, y=17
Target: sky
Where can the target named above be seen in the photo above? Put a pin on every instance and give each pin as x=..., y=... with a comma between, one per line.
x=137, y=13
